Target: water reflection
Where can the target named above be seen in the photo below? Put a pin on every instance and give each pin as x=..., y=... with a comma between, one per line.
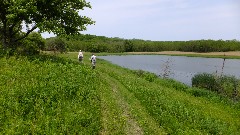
x=180, y=68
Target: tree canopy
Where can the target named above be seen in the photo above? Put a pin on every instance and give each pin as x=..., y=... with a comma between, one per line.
x=95, y=43
x=18, y=18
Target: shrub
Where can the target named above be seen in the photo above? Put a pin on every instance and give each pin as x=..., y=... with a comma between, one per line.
x=139, y=73
x=31, y=45
x=205, y=80
x=150, y=77
x=146, y=75
x=230, y=86
x=224, y=85
x=56, y=44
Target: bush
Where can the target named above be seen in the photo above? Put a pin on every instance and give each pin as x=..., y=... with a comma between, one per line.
x=146, y=75
x=224, y=85
x=230, y=86
x=31, y=45
x=56, y=44
x=205, y=80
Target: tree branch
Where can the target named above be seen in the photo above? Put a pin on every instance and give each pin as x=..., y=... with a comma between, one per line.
x=28, y=32
x=13, y=32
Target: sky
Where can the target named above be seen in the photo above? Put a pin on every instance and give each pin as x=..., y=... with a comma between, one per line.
x=164, y=20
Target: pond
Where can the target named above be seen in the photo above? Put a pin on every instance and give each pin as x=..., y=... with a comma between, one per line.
x=180, y=68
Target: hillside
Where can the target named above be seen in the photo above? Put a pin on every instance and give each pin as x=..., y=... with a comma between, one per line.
x=50, y=95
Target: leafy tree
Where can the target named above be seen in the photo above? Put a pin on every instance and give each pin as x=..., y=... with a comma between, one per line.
x=36, y=40
x=128, y=45
x=57, y=16
x=32, y=44
x=56, y=44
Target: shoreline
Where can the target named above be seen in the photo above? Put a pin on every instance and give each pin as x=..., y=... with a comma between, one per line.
x=231, y=55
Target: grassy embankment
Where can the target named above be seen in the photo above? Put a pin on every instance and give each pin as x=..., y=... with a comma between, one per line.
x=53, y=95
x=47, y=95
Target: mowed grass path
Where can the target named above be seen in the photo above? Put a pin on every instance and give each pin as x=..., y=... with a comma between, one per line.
x=108, y=100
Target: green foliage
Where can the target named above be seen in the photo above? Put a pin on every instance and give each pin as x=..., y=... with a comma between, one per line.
x=36, y=40
x=94, y=43
x=229, y=86
x=225, y=85
x=47, y=95
x=148, y=76
x=128, y=45
x=31, y=44
x=205, y=80
x=56, y=44
x=57, y=16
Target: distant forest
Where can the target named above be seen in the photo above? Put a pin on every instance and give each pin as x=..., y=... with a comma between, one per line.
x=93, y=43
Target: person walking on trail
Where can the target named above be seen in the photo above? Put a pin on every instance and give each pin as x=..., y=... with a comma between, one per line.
x=80, y=56
x=93, y=60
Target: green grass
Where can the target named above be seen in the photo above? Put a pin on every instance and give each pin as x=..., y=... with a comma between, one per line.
x=179, y=112
x=54, y=95
x=47, y=96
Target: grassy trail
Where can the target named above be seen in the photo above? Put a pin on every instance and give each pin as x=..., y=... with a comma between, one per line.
x=135, y=122
x=122, y=112
x=54, y=95
x=136, y=105
x=123, y=118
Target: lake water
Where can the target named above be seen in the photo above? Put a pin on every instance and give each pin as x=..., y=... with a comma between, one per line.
x=180, y=68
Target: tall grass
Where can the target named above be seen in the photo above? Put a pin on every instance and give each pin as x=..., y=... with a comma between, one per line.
x=51, y=95
x=47, y=95
x=178, y=108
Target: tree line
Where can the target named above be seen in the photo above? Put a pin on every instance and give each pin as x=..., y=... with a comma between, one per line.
x=93, y=43
x=34, y=43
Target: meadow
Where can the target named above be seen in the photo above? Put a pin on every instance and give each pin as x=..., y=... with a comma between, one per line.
x=58, y=95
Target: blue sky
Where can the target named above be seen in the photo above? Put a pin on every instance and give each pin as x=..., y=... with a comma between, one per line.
x=164, y=20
